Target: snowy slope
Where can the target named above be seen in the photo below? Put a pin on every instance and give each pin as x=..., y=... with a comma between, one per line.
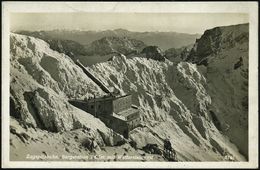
x=221, y=49
x=174, y=103
x=41, y=83
x=173, y=100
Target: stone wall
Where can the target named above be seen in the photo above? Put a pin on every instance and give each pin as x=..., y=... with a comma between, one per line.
x=116, y=124
x=95, y=108
x=122, y=103
x=133, y=123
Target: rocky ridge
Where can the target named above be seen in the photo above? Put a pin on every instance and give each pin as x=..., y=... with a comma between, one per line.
x=178, y=100
x=222, y=54
x=108, y=45
x=42, y=81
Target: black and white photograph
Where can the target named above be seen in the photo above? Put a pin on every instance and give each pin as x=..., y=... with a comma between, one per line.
x=124, y=83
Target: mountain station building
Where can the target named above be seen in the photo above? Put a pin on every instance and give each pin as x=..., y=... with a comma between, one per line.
x=117, y=113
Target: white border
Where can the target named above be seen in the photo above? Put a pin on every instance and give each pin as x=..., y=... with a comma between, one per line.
x=145, y=7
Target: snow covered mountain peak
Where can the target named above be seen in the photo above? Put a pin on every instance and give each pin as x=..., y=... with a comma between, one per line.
x=178, y=100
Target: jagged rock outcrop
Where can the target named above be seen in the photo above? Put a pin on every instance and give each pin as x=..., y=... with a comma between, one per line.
x=153, y=52
x=178, y=54
x=42, y=81
x=173, y=98
x=68, y=47
x=222, y=53
x=218, y=39
x=108, y=45
x=173, y=102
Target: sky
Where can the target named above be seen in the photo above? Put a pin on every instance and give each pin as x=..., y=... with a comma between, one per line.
x=141, y=22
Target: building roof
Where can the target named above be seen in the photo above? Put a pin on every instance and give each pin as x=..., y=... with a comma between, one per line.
x=125, y=113
x=104, y=98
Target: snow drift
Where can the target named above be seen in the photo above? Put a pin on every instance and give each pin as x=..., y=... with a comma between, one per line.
x=222, y=53
x=175, y=99
x=174, y=103
x=42, y=81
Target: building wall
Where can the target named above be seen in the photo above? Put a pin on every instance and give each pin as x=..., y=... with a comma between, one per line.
x=122, y=103
x=116, y=124
x=94, y=108
x=80, y=104
x=100, y=107
x=133, y=123
x=104, y=109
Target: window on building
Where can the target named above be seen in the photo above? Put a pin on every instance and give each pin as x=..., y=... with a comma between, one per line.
x=92, y=106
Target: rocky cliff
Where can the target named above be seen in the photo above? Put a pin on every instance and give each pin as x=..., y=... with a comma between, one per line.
x=177, y=101
x=41, y=82
x=154, y=53
x=108, y=45
x=69, y=47
x=178, y=54
x=174, y=103
x=222, y=54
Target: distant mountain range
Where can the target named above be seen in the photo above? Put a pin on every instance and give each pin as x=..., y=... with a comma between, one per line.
x=199, y=101
x=108, y=45
x=164, y=40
